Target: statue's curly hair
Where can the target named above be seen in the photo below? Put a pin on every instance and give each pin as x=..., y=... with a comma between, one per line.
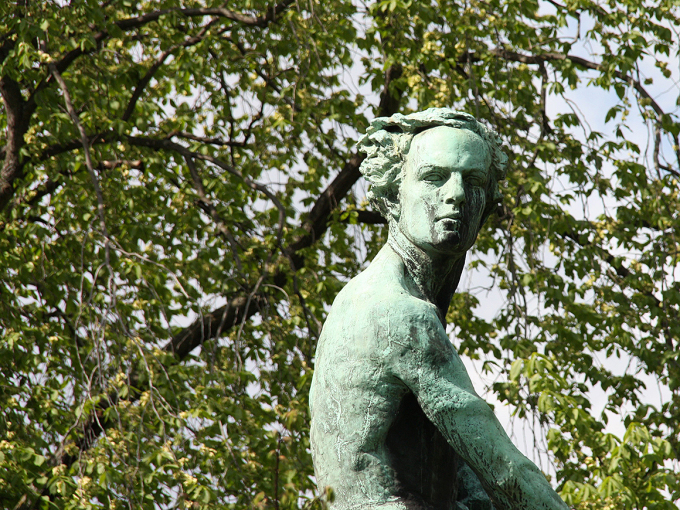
x=388, y=140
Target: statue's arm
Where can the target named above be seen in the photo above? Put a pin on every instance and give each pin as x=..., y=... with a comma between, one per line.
x=425, y=360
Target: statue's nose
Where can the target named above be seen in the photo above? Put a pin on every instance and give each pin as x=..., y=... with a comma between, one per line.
x=454, y=190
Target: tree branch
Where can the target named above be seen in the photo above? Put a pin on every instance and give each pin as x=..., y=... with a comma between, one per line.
x=139, y=21
x=88, y=159
x=258, y=21
x=213, y=325
x=317, y=219
x=219, y=142
x=139, y=89
x=554, y=56
x=155, y=143
x=18, y=114
x=316, y=222
x=390, y=97
x=370, y=218
x=209, y=208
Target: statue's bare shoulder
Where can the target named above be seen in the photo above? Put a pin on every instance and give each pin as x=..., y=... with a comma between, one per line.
x=381, y=292
x=376, y=320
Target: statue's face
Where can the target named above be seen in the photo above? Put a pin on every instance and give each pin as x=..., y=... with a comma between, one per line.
x=443, y=190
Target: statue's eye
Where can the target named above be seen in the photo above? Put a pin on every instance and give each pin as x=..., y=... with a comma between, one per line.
x=475, y=180
x=433, y=177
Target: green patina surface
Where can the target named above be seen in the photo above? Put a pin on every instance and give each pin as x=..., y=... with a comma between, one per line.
x=396, y=422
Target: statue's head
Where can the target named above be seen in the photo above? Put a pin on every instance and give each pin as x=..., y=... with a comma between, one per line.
x=434, y=174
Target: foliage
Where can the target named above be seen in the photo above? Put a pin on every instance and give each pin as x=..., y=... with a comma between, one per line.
x=177, y=212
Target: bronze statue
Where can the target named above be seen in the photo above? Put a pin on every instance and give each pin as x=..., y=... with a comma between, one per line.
x=396, y=423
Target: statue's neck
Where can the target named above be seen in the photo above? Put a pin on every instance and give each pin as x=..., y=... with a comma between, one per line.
x=434, y=279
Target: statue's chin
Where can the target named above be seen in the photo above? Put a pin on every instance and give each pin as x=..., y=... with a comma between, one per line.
x=452, y=242
x=448, y=238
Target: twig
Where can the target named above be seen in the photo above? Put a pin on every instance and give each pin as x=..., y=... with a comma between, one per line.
x=88, y=160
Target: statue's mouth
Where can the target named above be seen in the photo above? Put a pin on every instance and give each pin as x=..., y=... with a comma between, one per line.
x=455, y=218
x=450, y=223
x=456, y=215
